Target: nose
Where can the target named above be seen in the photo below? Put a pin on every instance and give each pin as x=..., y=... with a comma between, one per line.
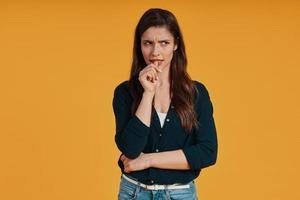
x=155, y=51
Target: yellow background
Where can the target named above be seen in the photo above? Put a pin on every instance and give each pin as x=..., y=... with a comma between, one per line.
x=60, y=62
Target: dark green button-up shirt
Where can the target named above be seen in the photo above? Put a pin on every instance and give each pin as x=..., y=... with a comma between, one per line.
x=132, y=137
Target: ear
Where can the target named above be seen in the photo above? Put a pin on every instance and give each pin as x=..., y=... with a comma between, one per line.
x=175, y=47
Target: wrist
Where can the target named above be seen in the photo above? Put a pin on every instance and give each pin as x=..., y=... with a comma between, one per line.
x=150, y=160
x=148, y=94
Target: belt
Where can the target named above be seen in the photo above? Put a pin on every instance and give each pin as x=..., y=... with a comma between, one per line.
x=155, y=186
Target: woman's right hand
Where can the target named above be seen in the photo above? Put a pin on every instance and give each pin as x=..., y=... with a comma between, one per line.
x=148, y=77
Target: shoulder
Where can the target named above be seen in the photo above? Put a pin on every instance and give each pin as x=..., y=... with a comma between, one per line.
x=202, y=97
x=122, y=90
x=122, y=86
x=201, y=89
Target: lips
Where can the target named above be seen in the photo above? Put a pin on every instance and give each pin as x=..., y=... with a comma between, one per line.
x=158, y=60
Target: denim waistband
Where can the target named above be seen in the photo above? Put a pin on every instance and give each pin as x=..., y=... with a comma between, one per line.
x=157, y=186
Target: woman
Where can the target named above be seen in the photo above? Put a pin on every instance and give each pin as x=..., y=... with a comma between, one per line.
x=164, y=120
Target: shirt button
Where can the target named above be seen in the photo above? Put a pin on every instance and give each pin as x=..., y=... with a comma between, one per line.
x=167, y=119
x=152, y=181
x=172, y=107
x=156, y=150
x=160, y=135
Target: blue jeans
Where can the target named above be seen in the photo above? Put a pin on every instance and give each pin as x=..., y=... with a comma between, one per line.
x=130, y=191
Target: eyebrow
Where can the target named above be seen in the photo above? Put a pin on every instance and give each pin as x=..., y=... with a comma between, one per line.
x=158, y=41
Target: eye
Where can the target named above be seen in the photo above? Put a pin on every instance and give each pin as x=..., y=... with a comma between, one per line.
x=146, y=43
x=165, y=43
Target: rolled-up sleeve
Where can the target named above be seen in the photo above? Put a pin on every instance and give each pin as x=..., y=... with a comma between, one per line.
x=203, y=152
x=131, y=133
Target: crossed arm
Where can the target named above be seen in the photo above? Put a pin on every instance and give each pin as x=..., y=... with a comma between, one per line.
x=164, y=160
x=199, y=155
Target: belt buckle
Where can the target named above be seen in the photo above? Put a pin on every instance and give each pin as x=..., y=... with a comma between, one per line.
x=152, y=187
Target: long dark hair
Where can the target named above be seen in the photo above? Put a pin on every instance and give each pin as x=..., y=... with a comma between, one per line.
x=182, y=89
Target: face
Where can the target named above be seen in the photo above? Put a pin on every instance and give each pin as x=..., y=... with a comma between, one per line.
x=157, y=43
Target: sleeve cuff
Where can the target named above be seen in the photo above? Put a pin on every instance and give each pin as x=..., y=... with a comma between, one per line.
x=191, y=157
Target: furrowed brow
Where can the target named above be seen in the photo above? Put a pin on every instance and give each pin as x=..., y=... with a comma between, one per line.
x=166, y=40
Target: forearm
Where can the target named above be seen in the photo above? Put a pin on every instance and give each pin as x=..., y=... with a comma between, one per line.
x=169, y=160
x=144, y=109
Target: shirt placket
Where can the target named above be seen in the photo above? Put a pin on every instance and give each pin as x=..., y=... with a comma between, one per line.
x=158, y=137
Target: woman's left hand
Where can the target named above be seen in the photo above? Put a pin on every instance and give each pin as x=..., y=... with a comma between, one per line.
x=139, y=163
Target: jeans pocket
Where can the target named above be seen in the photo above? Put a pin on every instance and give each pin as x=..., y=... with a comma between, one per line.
x=181, y=194
x=127, y=190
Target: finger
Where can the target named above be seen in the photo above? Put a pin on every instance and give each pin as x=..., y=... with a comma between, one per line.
x=126, y=169
x=155, y=66
x=143, y=74
x=149, y=75
x=154, y=70
x=125, y=161
x=144, y=71
x=151, y=67
x=155, y=73
x=152, y=75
